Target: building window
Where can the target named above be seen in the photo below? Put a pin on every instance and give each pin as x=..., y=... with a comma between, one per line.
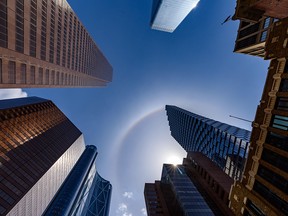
x=252, y=207
x=52, y=32
x=57, y=78
x=266, y=23
x=3, y=23
x=32, y=75
x=282, y=103
x=275, y=159
x=280, y=122
x=271, y=197
x=53, y=77
x=59, y=33
x=277, y=140
x=19, y=26
x=47, y=77
x=12, y=72
x=23, y=74
x=33, y=27
x=40, y=77
x=284, y=85
x=263, y=36
x=43, y=30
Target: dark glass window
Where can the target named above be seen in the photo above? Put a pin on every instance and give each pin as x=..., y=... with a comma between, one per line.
x=263, y=36
x=272, y=177
x=282, y=103
x=53, y=77
x=12, y=72
x=43, y=30
x=33, y=27
x=284, y=85
x=275, y=159
x=32, y=74
x=59, y=33
x=40, y=77
x=23, y=74
x=47, y=77
x=52, y=32
x=3, y=23
x=250, y=205
x=64, y=42
x=271, y=197
x=277, y=140
x=19, y=26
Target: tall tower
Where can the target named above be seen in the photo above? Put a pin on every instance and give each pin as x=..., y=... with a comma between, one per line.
x=43, y=44
x=263, y=189
x=168, y=14
x=40, y=150
x=225, y=145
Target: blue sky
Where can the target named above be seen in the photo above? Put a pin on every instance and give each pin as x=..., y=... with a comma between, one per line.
x=194, y=68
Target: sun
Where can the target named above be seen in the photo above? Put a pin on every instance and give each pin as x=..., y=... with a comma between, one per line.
x=174, y=159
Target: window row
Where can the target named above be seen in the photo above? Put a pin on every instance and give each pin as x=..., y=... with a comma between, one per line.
x=32, y=75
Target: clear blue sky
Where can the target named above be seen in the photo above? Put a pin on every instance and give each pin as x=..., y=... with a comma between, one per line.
x=193, y=68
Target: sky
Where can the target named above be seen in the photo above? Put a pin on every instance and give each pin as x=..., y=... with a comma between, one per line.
x=193, y=68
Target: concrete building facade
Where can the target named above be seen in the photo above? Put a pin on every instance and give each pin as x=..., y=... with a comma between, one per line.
x=44, y=44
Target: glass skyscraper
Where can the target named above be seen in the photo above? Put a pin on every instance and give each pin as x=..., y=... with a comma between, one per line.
x=168, y=14
x=39, y=147
x=225, y=145
x=84, y=191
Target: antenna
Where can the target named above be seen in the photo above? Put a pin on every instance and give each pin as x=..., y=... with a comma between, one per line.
x=240, y=118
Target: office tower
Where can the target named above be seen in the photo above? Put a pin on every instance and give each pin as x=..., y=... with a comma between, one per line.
x=225, y=145
x=39, y=148
x=253, y=10
x=252, y=37
x=263, y=189
x=176, y=193
x=44, y=44
x=168, y=14
x=84, y=191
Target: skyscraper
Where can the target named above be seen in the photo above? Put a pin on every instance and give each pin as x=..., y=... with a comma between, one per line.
x=84, y=191
x=263, y=189
x=39, y=148
x=253, y=10
x=168, y=14
x=225, y=145
x=43, y=44
x=181, y=197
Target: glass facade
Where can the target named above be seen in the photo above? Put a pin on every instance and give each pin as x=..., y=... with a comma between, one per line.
x=168, y=14
x=84, y=192
x=34, y=134
x=225, y=145
x=188, y=196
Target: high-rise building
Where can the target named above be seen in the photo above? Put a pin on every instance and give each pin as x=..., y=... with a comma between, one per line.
x=175, y=194
x=43, y=44
x=225, y=145
x=84, y=191
x=168, y=14
x=263, y=189
x=39, y=147
x=253, y=10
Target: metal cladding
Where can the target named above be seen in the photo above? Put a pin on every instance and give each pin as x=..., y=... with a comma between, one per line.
x=168, y=14
x=225, y=145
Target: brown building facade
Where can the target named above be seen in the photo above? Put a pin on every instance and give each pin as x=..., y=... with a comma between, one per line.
x=251, y=37
x=253, y=10
x=43, y=44
x=38, y=148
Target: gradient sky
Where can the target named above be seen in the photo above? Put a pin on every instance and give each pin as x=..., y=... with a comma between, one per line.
x=193, y=68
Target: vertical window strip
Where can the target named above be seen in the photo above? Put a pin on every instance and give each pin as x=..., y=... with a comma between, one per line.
x=3, y=24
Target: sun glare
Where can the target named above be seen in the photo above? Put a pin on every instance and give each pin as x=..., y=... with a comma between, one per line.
x=175, y=160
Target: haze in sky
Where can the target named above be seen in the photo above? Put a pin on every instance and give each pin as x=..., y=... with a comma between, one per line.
x=193, y=68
